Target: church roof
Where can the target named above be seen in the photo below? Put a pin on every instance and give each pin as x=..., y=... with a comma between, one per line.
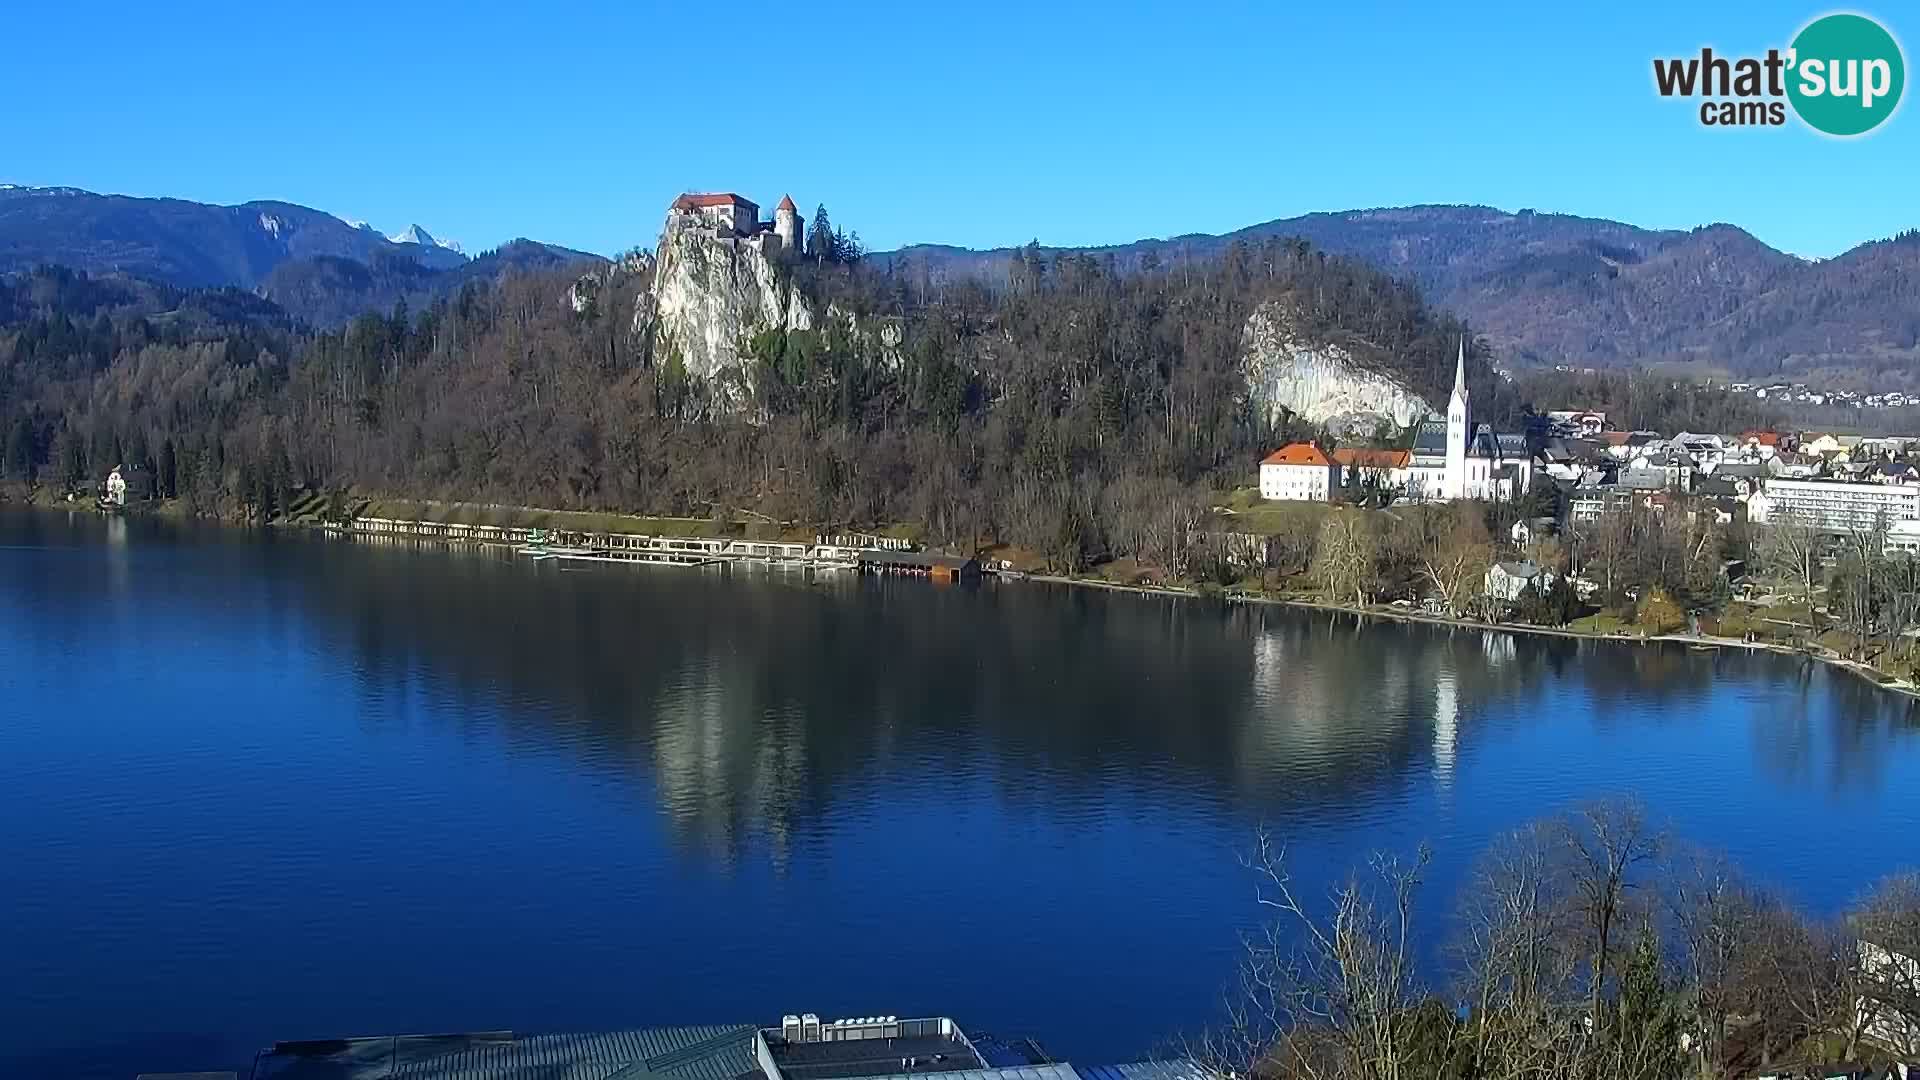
x=694, y=200
x=786, y=203
x=1297, y=454
x=1431, y=438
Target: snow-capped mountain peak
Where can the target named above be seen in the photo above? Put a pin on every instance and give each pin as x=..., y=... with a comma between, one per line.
x=417, y=235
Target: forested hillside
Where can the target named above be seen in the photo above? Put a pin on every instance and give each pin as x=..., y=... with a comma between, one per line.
x=1079, y=411
x=1551, y=289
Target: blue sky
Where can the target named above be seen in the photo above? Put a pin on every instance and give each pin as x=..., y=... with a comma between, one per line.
x=980, y=124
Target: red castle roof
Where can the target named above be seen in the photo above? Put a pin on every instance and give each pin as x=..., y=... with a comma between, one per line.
x=786, y=203
x=695, y=200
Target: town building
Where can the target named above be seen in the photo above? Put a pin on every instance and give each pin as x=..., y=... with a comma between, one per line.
x=1834, y=505
x=1373, y=468
x=1299, y=472
x=1453, y=459
x=735, y=218
x=1505, y=581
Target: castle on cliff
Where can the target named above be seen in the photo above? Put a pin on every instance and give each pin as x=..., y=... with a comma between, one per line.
x=733, y=218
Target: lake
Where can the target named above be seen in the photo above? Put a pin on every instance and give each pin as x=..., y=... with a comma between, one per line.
x=260, y=786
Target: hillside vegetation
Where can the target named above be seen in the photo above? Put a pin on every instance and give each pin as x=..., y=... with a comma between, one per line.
x=1079, y=412
x=1550, y=289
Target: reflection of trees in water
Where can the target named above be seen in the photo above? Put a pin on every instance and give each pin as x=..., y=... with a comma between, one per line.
x=757, y=705
x=1846, y=745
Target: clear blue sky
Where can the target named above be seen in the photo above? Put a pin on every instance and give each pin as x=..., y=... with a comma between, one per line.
x=979, y=124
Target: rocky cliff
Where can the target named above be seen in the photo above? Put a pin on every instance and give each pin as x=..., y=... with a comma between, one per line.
x=1324, y=383
x=711, y=293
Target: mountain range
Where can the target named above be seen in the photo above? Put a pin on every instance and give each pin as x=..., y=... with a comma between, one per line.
x=1542, y=289
x=315, y=265
x=1555, y=289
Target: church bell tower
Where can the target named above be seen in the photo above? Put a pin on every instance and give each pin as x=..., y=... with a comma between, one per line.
x=1456, y=482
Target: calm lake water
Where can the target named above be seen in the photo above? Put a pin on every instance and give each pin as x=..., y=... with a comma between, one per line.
x=260, y=787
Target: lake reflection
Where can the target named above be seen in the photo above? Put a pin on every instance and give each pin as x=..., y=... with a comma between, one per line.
x=276, y=787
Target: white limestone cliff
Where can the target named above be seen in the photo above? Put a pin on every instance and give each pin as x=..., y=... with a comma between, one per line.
x=1323, y=383
x=710, y=293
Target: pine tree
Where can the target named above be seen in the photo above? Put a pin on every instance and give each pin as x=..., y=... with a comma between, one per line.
x=167, y=476
x=820, y=236
x=20, y=450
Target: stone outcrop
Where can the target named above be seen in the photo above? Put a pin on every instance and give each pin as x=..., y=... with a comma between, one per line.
x=1322, y=382
x=710, y=293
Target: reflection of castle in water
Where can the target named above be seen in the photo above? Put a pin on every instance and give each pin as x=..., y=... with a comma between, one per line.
x=725, y=767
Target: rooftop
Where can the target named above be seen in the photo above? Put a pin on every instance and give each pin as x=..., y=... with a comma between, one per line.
x=1297, y=454
x=906, y=1054
x=1354, y=457
x=802, y=1048
x=694, y=200
x=677, y=1053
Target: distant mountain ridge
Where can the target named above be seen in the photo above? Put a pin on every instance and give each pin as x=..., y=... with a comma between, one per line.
x=189, y=244
x=1548, y=289
x=317, y=266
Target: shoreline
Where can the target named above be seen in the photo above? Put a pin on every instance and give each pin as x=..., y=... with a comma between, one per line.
x=1864, y=672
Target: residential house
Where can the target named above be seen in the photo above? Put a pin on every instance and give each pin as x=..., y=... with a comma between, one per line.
x=1891, y=472
x=1669, y=461
x=1299, y=472
x=1821, y=445
x=1505, y=581
x=1764, y=444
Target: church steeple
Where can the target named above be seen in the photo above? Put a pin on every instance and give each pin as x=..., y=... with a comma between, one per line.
x=1455, y=485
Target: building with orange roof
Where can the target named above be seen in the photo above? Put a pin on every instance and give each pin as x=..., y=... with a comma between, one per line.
x=1300, y=472
x=1376, y=468
x=736, y=218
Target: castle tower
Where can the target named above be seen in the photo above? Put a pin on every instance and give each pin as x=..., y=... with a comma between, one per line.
x=786, y=224
x=1456, y=482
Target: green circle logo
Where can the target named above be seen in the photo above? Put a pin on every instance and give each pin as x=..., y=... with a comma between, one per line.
x=1847, y=74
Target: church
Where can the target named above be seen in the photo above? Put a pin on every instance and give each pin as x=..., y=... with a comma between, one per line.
x=1454, y=460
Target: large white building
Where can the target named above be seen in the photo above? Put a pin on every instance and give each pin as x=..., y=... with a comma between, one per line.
x=1300, y=472
x=1455, y=460
x=1835, y=505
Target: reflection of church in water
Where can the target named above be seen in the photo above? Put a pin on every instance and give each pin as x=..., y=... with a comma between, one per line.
x=1308, y=707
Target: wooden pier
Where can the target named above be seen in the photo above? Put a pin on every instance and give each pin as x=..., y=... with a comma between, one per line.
x=827, y=553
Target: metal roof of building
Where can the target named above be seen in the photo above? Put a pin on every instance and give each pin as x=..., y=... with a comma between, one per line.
x=1144, y=1070
x=710, y=1052
x=1058, y=1071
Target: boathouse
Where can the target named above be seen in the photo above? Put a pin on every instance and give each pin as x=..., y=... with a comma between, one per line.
x=941, y=568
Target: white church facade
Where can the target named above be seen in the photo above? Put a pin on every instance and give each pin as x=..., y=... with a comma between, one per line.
x=1452, y=459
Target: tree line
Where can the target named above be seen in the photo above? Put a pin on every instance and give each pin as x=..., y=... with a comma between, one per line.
x=1590, y=944
x=1081, y=412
